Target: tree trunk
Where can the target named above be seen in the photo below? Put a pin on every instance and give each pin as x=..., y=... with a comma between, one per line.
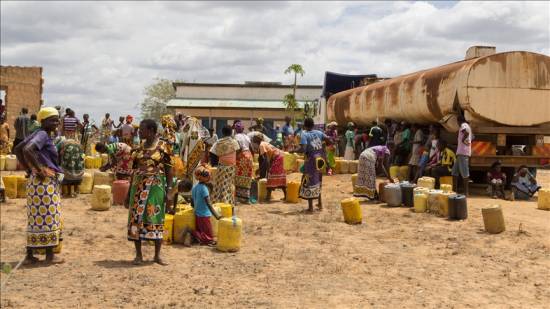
x=295, y=100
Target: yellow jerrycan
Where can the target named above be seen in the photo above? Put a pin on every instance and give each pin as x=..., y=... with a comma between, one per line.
x=10, y=186
x=183, y=219
x=168, y=234
x=544, y=199
x=426, y=182
x=87, y=183
x=292, y=191
x=21, y=186
x=229, y=234
x=102, y=198
x=352, y=211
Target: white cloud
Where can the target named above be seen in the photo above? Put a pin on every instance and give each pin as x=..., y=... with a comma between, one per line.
x=98, y=56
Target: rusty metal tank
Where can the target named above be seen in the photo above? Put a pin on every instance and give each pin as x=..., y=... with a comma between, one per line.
x=510, y=89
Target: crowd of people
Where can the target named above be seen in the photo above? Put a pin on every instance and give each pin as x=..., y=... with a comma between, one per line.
x=179, y=156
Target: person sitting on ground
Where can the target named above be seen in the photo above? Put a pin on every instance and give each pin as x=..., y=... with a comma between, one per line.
x=120, y=159
x=443, y=166
x=496, y=180
x=203, y=209
x=524, y=184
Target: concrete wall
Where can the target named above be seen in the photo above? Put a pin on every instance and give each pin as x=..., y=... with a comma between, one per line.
x=244, y=92
x=23, y=87
x=246, y=115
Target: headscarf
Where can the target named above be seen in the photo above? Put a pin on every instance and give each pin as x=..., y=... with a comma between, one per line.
x=350, y=124
x=202, y=173
x=46, y=112
x=238, y=126
x=129, y=118
x=168, y=122
x=332, y=124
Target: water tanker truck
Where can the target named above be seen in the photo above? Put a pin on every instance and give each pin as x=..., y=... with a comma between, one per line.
x=505, y=97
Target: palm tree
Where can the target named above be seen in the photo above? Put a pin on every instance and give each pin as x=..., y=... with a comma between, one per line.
x=290, y=99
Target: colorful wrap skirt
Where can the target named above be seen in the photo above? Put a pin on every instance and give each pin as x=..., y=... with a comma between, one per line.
x=203, y=232
x=312, y=178
x=331, y=154
x=43, y=212
x=243, y=177
x=224, y=185
x=146, y=207
x=276, y=176
x=366, y=175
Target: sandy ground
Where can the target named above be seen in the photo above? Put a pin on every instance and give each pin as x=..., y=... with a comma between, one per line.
x=290, y=259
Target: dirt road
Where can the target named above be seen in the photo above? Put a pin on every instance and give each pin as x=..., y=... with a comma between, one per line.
x=290, y=259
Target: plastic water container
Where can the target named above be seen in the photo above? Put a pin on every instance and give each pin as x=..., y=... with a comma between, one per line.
x=344, y=167
x=434, y=201
x=102, y=198
x=87, y=183
x=392, y=194
x=104, y=159
x=183, y=219
x=421, y=190
x=98, y=160
x=446, y=180
x=289, y=161
x=404, y=173
x=262, y=190
x=544, y=199
x=214, y=221
x=493, y=219
x=353, y=166
x=353, y=180
x=2, y=162
x=103, y=178
x=226, y=210
x=420, y=202
x=394, y=172
x=352, y=211
x=21, y=186
x=381, y=195
x=11, y=163
x=89, y=162
x=444, y=204
x=168, y=235
x=446, y=188
x=120, y=191
x=407, y=194
x=426, y=182
x=10, y=186
x=458, y=208
x=229, y=234
x=292, y=191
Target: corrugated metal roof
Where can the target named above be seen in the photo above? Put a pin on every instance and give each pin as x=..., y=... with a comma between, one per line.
x=228, y=103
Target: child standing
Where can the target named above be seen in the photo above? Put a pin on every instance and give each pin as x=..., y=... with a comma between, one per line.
x=203, y=208
x=496, y=180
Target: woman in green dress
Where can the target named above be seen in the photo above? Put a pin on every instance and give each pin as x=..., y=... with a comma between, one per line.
x=152, y=180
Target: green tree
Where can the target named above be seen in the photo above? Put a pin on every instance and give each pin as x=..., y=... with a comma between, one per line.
x=157, y=95
x=289, y=100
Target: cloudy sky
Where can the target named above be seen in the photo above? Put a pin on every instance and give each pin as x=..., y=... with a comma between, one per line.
x=98, y=56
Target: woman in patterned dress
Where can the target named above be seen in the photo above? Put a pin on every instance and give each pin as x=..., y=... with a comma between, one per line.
x=120, y=159
x=225, y=151
x=89, y=130
x=312, y=179
x=37, y=153
x=271, y=164
x=369, y=159
x=151, y=182
x=245, y=163
x=71, y=160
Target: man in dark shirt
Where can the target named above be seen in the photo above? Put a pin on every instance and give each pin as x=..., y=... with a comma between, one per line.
x=376, y=135
x=21, y=127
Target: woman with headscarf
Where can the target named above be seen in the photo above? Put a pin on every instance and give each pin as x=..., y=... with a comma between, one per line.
x=193, y=145
x=369, y=160
x=71, y=160
x=120, y=159
x=245, y=163
x=271, y=161
x=149, y=196
x=349, y=154
x=127, y=131
x=225, y=150
x=332, y=133
x=312, y=147
x=37, y=154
